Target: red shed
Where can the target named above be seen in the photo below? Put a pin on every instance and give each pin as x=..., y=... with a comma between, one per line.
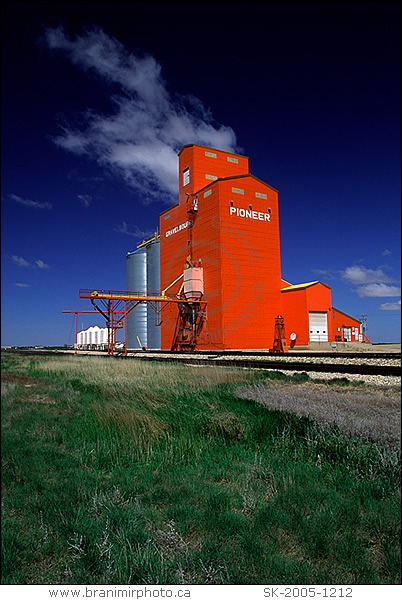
x=310, y=317
x=346, y=328
x=307, y=313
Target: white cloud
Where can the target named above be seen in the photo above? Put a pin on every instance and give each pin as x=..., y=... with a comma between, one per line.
x=22, y=285
x=377, y=290
x=19, y=261
x=386, y=252
x=358, y=275
x=140, y=139
x=134, y=231
x=41, y=265
x=391, y=306
x=30, y=203
x=85, y=199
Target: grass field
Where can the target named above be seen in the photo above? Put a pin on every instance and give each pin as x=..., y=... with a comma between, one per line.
x=122, y=472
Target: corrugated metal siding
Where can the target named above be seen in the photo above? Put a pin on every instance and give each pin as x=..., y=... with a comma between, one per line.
x=137, y=282
x=153, y=287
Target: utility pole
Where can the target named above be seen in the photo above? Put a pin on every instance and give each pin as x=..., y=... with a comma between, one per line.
x=364, y=323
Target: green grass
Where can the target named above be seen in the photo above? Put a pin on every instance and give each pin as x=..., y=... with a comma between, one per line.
x=120, y=472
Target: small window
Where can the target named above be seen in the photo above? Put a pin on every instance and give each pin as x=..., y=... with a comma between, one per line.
x=232, y=159
x=211, y=154
x=260, y=195
x=186, y=177
x=237, y=190
x=208, y=193
x=212, y=177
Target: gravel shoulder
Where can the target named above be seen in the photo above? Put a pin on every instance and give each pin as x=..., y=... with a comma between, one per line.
x=372, y=413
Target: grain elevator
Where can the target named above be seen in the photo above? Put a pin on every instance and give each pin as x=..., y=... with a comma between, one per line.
x=219, y=250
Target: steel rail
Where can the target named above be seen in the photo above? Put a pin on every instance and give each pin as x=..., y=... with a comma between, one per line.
x=364, y=356
x=283, y=365
x=273, y=365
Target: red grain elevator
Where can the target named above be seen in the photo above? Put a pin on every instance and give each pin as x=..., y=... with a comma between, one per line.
x=227, y=221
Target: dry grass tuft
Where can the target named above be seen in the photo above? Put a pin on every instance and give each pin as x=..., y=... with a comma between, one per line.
x=125, y=417
x=170, y=543
x=113, y=375
x=290, y=546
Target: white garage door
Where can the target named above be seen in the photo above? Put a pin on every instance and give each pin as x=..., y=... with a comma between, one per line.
x=318, y=327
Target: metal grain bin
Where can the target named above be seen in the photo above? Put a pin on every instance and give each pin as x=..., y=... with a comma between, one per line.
x=137, y=282
x=153, y=288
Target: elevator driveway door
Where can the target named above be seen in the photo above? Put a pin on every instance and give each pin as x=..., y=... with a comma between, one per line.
x=318, y=327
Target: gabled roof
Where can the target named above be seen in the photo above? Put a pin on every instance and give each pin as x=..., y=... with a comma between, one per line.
x=345, y=314
x=303, y=286
x=169, y=208
x=236, y=177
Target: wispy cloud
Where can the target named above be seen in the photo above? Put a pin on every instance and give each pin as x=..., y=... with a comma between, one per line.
x=30, y=203
x=22, y=262
x=378, y=290
x=91, y=181
x=386, y=252
x=134, y=231
x=358, y=275
x=148, y=125
x=41, y=265
x=19, y=261
x=325, y=273
x=85, y=199
x=391, y=306
x=22, y=285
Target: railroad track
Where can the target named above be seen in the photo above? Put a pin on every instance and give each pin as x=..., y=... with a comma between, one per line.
x=344, y=368
x=235, y=359
x=290, y=355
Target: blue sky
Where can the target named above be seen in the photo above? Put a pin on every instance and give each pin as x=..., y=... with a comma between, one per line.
x=98, y=98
